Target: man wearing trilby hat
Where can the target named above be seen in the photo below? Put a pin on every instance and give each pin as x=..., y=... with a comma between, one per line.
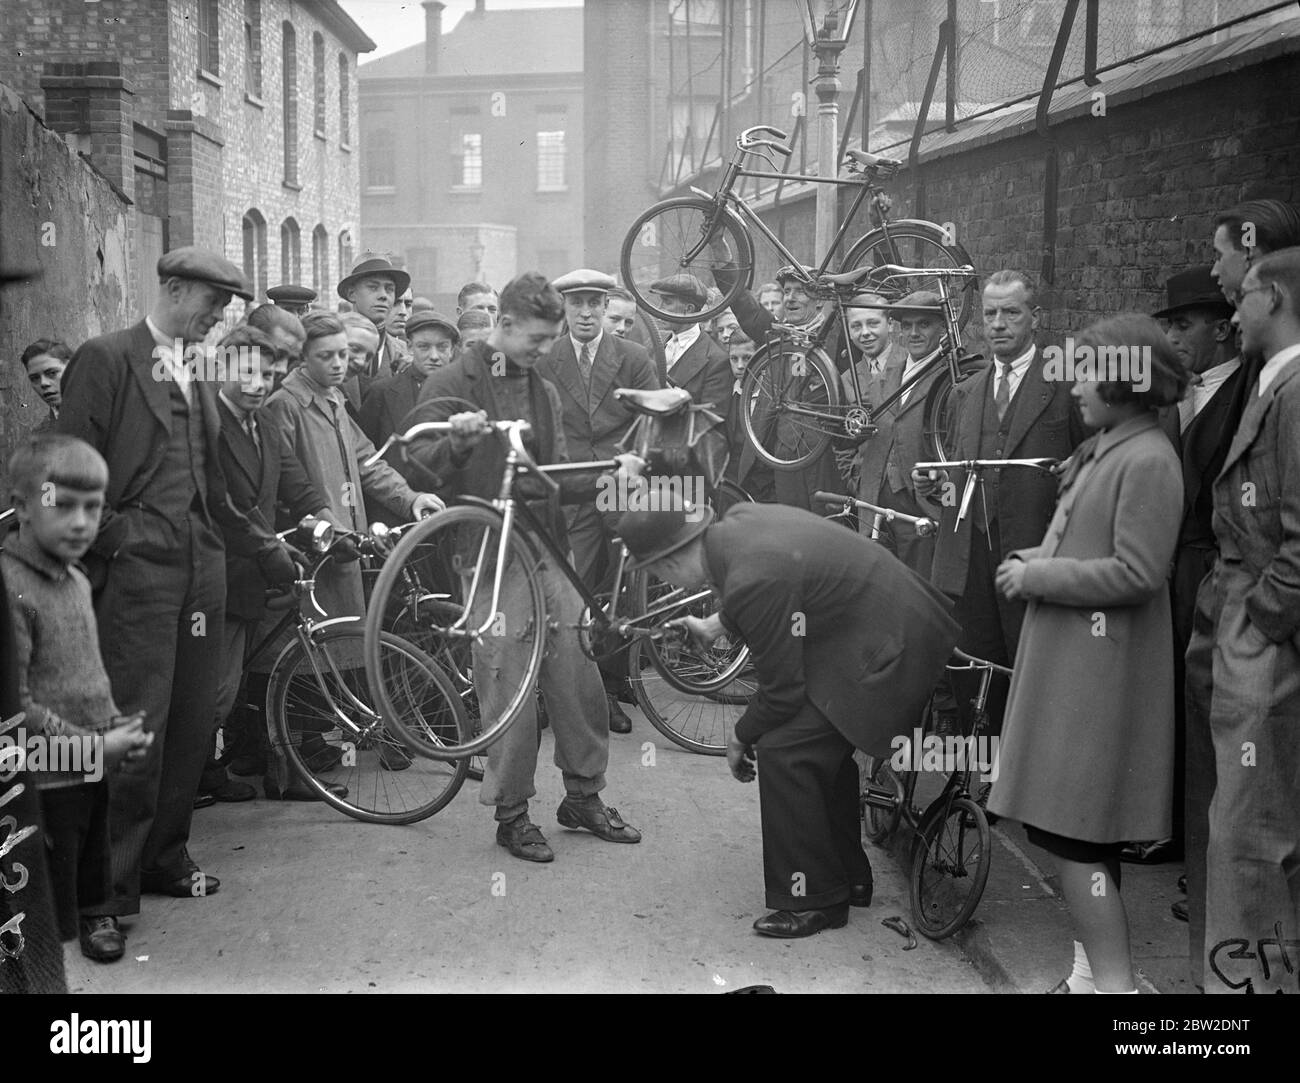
x=372, y=289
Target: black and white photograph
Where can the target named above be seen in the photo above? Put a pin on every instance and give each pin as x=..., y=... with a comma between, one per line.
x=618, y=497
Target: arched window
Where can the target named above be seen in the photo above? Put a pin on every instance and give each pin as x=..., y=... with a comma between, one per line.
x=290, y=60
x=345, y=105
x=253, y=48
x=255, y=251
x=290, y=253
x=318, y=82
x=320, y=261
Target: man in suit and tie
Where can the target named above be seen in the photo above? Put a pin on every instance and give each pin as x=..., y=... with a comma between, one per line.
x=1252, y=876
x=159, y=555
x=372, y=289
x=693, y=361
x=1008, y=410
x=586, y=366
x=846, y=645
x=256, y=478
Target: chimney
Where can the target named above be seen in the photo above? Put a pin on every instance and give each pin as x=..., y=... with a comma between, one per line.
x=480, y=8
x=432, y=34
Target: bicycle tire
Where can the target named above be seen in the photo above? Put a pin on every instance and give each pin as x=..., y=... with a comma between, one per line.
x=699, y=724
x=660, y=244
x=912, y=242
x=425, y=550
x=945, y=890
x=940, y=417
x=792, y=401
x=294, y=694
x=878, y=823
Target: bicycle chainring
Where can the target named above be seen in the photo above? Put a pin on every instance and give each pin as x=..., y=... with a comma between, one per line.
x=857, y=423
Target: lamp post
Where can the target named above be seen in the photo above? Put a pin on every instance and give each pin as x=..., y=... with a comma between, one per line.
x=827, y=25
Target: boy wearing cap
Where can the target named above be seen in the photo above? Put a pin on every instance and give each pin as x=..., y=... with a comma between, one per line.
x=693, y=361
x=431, y=337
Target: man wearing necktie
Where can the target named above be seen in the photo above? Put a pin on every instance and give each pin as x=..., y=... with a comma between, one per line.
x=586, y=366
x=692, y=360
x=159, y=560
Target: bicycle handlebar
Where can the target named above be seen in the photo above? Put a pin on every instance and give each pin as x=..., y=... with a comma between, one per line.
x=748, y=140
x=988, y=464
x=980, y=663
x=923, y=524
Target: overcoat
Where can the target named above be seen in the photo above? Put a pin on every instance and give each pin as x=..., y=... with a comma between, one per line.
x=1087, y=746
x=705, y=371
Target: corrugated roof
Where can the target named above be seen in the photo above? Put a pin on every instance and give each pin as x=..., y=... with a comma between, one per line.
x=517, y=42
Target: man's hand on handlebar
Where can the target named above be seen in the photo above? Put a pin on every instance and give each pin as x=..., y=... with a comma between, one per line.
x=467, y=429
x=927, y=481
x=425, y=504
x=630, y=467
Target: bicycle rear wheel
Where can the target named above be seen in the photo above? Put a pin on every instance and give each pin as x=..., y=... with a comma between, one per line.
x=698, y=723
x=793, y=404
x=437, y=584
x=915, y=243
x=940, y=417
x=950, y=866
x=325, y=727
x=679, y=236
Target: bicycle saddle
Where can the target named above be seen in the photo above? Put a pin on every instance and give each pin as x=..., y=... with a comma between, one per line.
x=849, y=278
x=873, y=161
x=661, y=403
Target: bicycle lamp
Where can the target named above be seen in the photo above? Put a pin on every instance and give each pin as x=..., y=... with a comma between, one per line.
x=320, y=531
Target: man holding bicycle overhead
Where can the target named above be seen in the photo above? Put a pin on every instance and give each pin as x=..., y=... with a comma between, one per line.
x=498, y=380
x=847, y=645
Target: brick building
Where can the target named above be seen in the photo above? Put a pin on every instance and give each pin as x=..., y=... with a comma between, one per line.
x=227, y=123
x=472, y=144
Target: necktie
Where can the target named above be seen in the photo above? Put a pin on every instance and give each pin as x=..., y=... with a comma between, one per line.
x=351, y=497
x=1002, y=396
x=584, y=363
x=251, y=429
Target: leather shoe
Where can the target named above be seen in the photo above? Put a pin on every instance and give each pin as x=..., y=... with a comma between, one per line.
x=191, y=885
x=591, y=814
x=319, y=756
x=523, y=839
x=860, y=894
x=204, y=800
x=618, y=719
x=793, y=924
x=392, y=756
x=231, y=791
x=1179, y=909
x=298, y=790
x=101, y=939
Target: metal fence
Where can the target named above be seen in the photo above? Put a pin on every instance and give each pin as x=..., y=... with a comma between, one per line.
x=911, y=66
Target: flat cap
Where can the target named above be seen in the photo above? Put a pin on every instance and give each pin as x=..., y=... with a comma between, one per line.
x=291, y=295
x=204, y=265
x=418, y=321
x=584, y=279
x=687, y=287
x=922, y=302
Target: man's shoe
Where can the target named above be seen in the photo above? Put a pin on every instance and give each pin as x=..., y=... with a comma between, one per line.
x=523, y=839
x=1179, y=910
x=794, y=924
x=393, y=757
x=204, y=800
x=1151, y=853
x=231, y=791
x=191, y=885
x=618, y=719
x=298, y=790
x=591, y=814
x=622, y=691
x=101, y=939
x=319, y=756
x=860, y=894
x=250, y=765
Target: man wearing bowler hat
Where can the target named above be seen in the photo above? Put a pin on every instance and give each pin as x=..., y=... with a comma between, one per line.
x=372, y=289
x=847, y=645
x=294, y=299
x=587, y=366
x=160, y=560
x=692, y=360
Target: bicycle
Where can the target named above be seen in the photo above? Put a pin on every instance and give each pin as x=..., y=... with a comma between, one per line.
x=974, y=470
x=951, y=850
x=319, y=706
x=447, y=574
x=705, y=232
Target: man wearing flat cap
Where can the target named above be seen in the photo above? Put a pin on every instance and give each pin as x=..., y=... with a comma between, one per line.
x=693, y=361
x=846, y=644
x=587, y=366
x=372, y=289
x=294, y=299
x=159, y=560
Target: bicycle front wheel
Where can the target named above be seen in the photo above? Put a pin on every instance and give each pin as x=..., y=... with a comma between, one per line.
x=950, y=865
x=915, y=243
x=686, y=235
x=940, y=417
x=792, y=404
x=438, y=586
x=325, y=727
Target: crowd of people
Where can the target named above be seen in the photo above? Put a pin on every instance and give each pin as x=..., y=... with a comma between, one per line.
x=1147, y=593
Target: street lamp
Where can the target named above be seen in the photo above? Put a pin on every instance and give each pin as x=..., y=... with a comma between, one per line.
x=827, y=25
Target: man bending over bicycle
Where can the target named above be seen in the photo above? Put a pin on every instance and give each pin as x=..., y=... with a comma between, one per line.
x=496, y=380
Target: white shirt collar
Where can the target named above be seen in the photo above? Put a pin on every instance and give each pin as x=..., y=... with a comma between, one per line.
x=241, y=415
x=686, y=338
x=1275, y=364
x=1020, y=364
x=166, y=353
x=593, y=345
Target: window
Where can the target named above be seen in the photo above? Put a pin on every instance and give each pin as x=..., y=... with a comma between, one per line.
x=379, y=159
x=550, y=161
x=345, y=107
x=290, y=254
x=467, y=160
x=255, y=251
x=699, y=12
x=253, y=48
x=345, y=251
x=209, y=37
x=318, y=82
x=320, y=261
x=290, y=54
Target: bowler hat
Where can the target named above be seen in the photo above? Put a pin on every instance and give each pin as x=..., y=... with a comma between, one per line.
x=204, y=265
x=375, y=267
x=921, y=302
x=424, y=318
x=684, y=286
x=291, y=295
x=653, y=535
x=584, y=279
x=1194, y=288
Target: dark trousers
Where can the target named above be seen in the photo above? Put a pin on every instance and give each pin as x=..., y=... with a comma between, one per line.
x=161, y=622
x=1191, y=566
x=595, y=559
x=808, y=799
x=796, y=487
x=914, y=551
x=77, y=836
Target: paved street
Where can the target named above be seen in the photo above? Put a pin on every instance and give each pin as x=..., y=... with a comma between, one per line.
x=313, y=901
